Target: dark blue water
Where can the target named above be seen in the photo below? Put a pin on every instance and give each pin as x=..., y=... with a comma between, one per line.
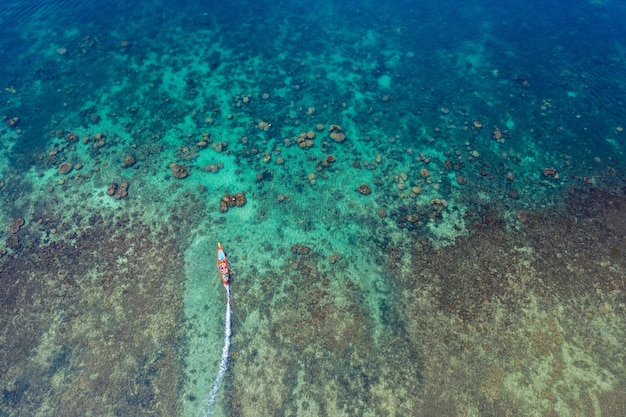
x=554, y=46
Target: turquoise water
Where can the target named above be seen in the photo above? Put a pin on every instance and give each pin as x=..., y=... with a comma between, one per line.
x=422, y=204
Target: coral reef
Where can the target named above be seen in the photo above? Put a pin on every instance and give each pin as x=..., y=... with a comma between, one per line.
x=13, y=242
x=178, y=171
x=305, y=139
x=510, y=295
x=213, y=167
x=118, y=191
x=266, y=175
x=336, y=133
x=128, y=161
x=232, y=200
x=300, y=249
x=16, y=224
x=400, y=255
x=364, y=189
x=65, y=168
x=111, y=189
x=105, y=319
x=12, y=121
x=240, y=199
x=121, y=191
x=551, y=173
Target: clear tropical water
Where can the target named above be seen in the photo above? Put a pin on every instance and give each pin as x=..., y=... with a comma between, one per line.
x=423, y=204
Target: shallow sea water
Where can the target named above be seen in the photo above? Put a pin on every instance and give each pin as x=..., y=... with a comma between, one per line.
x=423, y=206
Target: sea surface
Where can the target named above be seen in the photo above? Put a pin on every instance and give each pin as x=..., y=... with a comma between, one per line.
x=423, y=204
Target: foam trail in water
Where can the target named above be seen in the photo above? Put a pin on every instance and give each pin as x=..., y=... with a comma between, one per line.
x=208, y=405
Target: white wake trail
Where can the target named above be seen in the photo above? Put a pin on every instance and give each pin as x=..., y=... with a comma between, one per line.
x=210, y=401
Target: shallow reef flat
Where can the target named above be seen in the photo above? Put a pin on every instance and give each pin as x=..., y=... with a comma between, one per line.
x=424, y=215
